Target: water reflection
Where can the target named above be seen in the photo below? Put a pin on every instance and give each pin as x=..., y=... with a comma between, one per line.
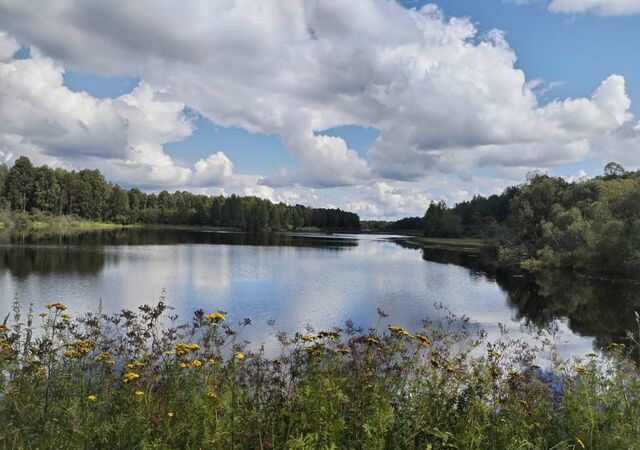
x=304, y=279
x=592, y=307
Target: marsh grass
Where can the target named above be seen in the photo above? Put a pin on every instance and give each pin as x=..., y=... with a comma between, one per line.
x=145, y=380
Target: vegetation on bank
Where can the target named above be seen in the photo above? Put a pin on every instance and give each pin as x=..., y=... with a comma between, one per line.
x=451, y=243
x=588, y=225
x=141, y=380
x=87, y=195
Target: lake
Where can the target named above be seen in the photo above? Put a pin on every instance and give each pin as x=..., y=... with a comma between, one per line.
x=302, y=280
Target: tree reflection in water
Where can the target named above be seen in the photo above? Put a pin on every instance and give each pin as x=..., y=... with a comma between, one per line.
x=603, y=309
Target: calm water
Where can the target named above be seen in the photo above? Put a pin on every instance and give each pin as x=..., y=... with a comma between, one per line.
x=305, y=279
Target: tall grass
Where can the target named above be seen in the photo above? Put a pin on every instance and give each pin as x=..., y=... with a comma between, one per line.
x=143, y=380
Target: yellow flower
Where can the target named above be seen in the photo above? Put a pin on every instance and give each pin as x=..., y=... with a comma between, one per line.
x=135, y=365
x=170, y=414
x=372, y=340
x=424, y=340
x=138, y=393
x=104, y=357
x=494, y=354
x=196, y=363
x=182, y=348
x=57, y=306
x=130, y=376
x=185, y=365
x=43, y=314
x=398, y=331
x=212, y=394
x=215, y=317
x=91, y=398
x=239, y=356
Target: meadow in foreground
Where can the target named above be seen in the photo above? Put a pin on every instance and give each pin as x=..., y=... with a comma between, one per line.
x=143, y=380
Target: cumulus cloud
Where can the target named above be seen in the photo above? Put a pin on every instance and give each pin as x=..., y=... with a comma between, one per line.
x=445, y=98
x=43, y=119
x=601, y=7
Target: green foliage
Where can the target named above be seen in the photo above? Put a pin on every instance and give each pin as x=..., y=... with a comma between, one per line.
x=86, y=194
x=441, y=222
x=143, y=380
x=588, y=225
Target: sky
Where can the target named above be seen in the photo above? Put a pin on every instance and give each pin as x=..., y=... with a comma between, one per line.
x=374, y=106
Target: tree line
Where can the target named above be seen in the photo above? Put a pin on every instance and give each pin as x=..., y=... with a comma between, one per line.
x=25, y=188
x=590, y=225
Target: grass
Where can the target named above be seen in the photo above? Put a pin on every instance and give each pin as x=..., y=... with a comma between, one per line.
x=144, y=380
x=456, y=243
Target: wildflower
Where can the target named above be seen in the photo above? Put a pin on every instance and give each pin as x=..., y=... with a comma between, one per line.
x=494, y=354
x=399, y=331
x=42, y=371
x=215, y=317
x=43, y=314
x=196, y=363
x=212, y=394
x=104, y=357
x=130, y=376
x=4, y=328
x=66, y=318
x=57, y=306
x=580, y=443
x=170, y=414
x=78, y=349
x=342, y=350
x=239, y=356
x=185, y=365
x=424, y=340
x=138, y=393
x=135, y=365
x=91, y=398
x=333, y=335
x=372, y=340
x=212, y=362
x=307, y=338
x=182, y=348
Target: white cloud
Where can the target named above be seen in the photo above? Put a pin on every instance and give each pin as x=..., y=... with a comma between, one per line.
x=601, y=7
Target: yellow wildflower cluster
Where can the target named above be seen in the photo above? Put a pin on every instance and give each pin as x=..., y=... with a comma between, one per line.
x=66, y=318
x=91, y=398
x=130, y=376
x=57, y=306
x=43, y=314
x=138, y=393
x=135, y=365
x=196, y=363
x=342, y=350
x=215, y=317
x=307, y=338
x=78, y=349
x=105, y=357
x=399, y=331
x=182, y=348
x=373, y=341
x=333, y=335
x=212, y=393
x=170, y=413
x=239, y=356
x=424, y=340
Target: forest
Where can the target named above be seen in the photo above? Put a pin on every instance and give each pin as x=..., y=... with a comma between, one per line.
x=28, y=189
x=589, y=225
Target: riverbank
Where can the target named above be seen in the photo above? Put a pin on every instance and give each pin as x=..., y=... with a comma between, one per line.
x=467, y=244
x=140, y=379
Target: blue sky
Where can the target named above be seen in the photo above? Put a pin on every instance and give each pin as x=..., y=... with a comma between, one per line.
x=194, y=111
